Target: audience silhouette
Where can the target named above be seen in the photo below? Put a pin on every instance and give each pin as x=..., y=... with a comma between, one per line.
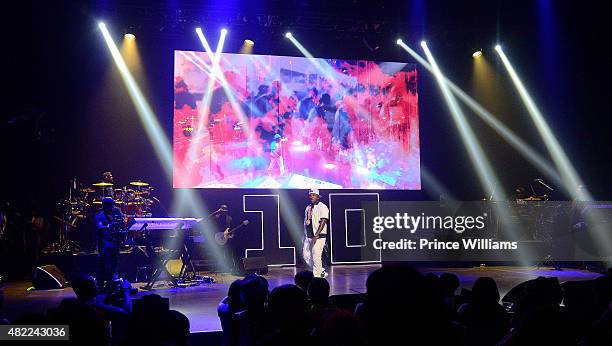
x=401, y=306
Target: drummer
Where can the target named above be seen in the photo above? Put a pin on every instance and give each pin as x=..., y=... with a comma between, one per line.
x=106, y=189
x=107, y=177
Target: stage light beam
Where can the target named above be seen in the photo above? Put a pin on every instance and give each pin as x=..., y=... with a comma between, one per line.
x=217, y=74
x=130, y=53
x=220, y=44
x=247, y=46
x=153, y=129
x=488, y=179
x=155, y=133
x=475, y=152
x=514, y=140
x=205, y=43
x=288, y=35
x=477, y=54
x=568, y=173
x=572, y=181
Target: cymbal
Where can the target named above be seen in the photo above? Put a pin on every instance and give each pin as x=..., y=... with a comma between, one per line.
x=102, y=184
x=98, y=202
x=139, y=183
x=87, y=190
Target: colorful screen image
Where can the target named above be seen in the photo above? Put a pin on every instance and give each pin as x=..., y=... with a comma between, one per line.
x=261, y=121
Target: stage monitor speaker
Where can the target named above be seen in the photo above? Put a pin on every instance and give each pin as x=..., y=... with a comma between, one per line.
x=48, y=277
x=255, y=265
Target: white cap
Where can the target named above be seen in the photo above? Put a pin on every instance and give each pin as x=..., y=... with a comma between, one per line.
x=315, y=191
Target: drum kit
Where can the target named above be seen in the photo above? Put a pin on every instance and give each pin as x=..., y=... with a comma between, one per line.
x=134, y=200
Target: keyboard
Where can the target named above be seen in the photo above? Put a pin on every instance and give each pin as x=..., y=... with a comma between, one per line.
x=164, y=223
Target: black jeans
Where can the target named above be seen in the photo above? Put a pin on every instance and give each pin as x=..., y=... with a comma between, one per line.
x=231, y=258
x=108, y=253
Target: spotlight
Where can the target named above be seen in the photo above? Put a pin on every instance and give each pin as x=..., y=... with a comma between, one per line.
x=288, y=35
x=198, y=30
x=101, y=25
x=399, y=41
x=224, y=31
x=129, y=36
x=423, y=43
x=249, y=42
x=497, y=47
x=477, y=54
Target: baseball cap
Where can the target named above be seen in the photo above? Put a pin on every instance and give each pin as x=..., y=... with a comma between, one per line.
x=315, y=191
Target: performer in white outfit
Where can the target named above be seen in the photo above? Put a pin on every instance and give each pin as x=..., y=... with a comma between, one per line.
x=316, y=218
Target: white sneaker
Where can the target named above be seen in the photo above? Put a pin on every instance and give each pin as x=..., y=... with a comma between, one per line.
x=324, y=274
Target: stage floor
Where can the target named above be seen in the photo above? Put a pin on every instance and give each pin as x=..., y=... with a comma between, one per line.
x=199, y=303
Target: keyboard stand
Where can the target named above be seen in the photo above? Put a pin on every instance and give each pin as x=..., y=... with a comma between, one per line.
x=161, y=263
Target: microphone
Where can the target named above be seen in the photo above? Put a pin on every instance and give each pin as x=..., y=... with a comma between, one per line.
x=539, y=180
x=214, y=212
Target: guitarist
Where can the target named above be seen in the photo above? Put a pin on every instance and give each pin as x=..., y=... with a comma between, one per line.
x=222, y=222
x=108, y=221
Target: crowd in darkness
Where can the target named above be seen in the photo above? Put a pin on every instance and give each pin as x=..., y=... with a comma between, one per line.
x=401, y=306
x=108, y=317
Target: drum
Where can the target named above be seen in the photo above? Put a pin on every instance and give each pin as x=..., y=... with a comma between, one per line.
x=131, y=196
x=119, y=195
x=134, y=209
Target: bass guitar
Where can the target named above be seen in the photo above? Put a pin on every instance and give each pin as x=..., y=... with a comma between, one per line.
x=222, y=237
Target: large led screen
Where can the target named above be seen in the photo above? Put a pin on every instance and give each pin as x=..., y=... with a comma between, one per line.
x=261, y=121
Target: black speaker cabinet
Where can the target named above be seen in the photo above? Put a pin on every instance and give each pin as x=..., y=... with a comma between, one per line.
x=255, y=265
x=48, y=277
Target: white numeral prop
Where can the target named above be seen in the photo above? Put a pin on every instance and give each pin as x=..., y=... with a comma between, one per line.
x=271, y=238
x=351, y=235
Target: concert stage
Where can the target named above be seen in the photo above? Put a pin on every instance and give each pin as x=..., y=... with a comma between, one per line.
x=199, y=303
x=186, y=140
